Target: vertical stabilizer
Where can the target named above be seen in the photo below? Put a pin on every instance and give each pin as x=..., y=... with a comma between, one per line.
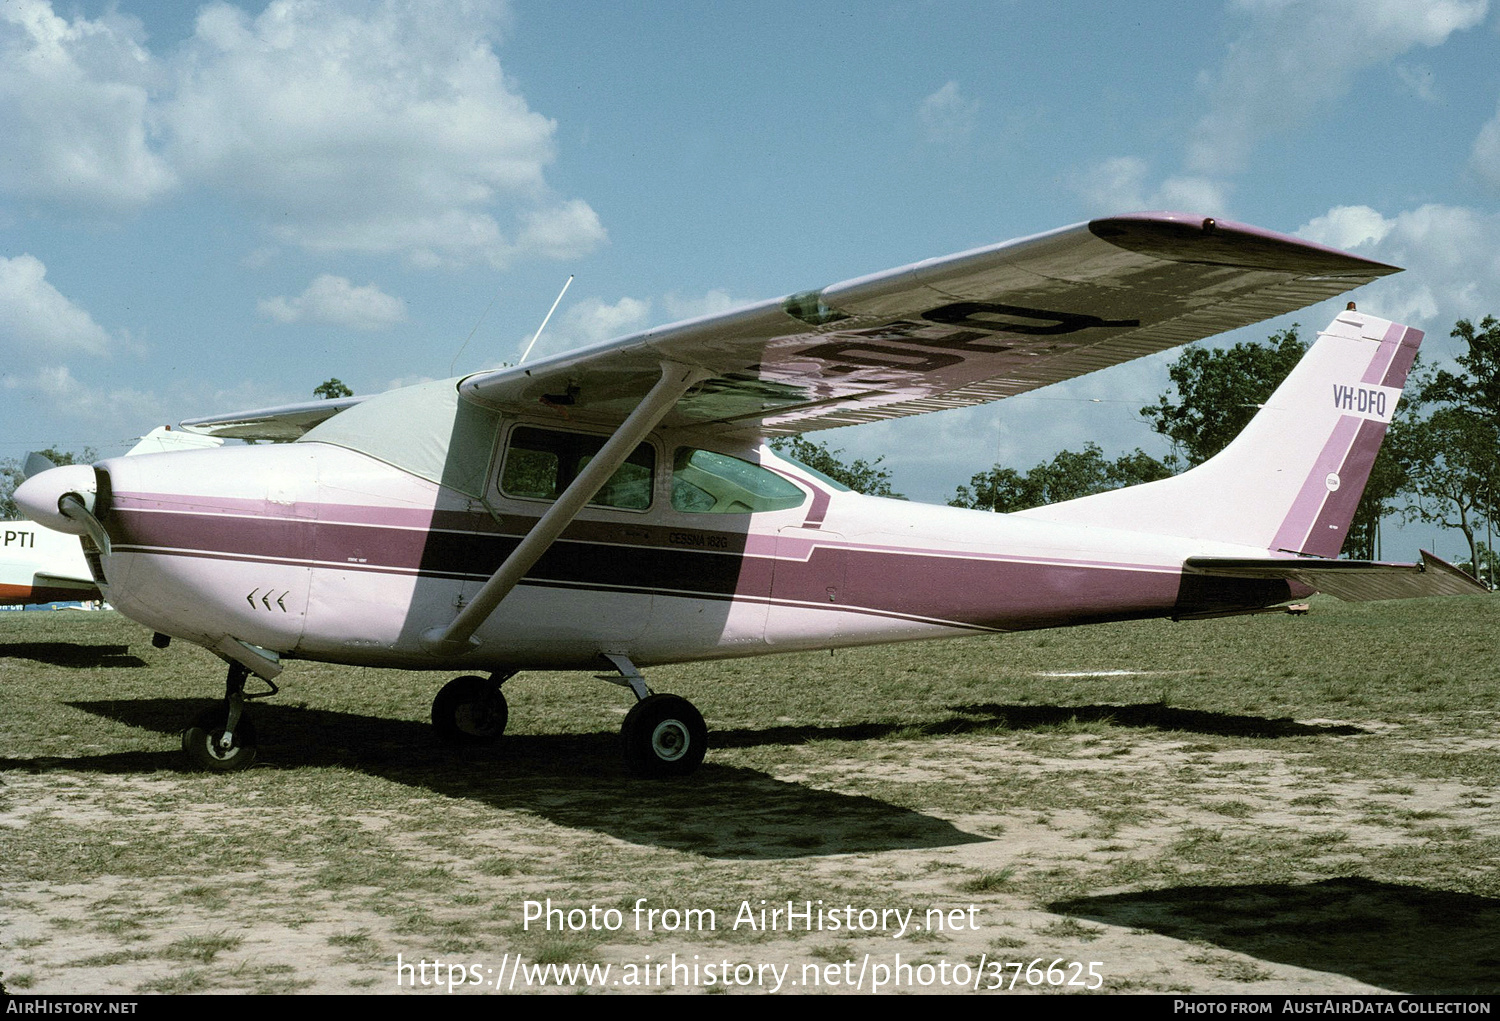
x=1290, y=482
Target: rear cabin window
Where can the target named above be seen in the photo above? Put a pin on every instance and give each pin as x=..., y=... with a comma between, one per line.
x=541, y=463
x=704, y=482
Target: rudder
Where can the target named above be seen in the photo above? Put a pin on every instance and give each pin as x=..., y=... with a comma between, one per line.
x=1290, y=482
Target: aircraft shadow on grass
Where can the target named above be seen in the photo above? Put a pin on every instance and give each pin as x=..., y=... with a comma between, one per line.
x=1155, y=715
x=574, y=780
x=1397, y=937
x=71, y=655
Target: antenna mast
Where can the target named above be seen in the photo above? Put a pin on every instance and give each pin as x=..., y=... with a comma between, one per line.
x=542, y=327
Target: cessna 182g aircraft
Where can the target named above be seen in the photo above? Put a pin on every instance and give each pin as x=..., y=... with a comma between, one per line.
x=615, y=506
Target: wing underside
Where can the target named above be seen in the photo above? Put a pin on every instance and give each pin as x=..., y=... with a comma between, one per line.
x=951, y=332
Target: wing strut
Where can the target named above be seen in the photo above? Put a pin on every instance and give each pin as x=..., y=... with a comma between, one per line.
x=675, y=381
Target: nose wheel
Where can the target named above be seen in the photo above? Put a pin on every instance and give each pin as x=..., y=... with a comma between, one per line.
x=222, y=739
x=205, y=746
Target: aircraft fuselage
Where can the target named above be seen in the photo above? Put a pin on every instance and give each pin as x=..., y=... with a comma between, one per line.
x=319, y=552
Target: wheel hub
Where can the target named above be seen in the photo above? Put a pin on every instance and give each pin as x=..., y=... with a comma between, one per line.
x=670, y=740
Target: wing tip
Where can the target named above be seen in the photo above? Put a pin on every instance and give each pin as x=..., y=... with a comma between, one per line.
x=1188, y=237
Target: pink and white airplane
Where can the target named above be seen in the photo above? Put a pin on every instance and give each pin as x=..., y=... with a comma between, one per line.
x=615, y=507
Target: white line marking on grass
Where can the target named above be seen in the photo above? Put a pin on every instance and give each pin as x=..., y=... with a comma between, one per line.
x=1107, y=673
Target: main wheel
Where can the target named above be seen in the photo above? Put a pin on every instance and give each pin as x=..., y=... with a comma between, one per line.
x=200, y=742
x=664, y=735
x=469, y=710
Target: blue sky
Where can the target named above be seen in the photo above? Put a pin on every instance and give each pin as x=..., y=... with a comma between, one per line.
x=212, y=208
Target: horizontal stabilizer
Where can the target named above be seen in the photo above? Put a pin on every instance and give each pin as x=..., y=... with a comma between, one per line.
x=280, y=424
x=1352, y=580
x=164, y=439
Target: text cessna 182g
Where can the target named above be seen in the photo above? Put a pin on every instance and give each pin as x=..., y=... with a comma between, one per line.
x=615, y=507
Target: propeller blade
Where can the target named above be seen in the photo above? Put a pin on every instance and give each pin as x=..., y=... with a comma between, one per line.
x=36, y=464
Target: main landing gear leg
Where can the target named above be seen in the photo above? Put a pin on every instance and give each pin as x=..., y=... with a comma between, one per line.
x=222, y=739
x=471, y=710
x=663, y=735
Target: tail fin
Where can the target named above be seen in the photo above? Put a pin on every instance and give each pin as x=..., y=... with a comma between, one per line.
x=1291, y=480
x=164, y=438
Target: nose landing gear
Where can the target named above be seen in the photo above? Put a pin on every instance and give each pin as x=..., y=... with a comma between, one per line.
x=222, y=739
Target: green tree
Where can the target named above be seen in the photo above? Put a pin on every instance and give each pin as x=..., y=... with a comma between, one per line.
x=1218, y=391
x=859, y=475
x=12, y=474
x=329, y=389
x=1478, y=386
x=1454, y=453
x=332, y=389
x=1452, y=457
x=1067, y=476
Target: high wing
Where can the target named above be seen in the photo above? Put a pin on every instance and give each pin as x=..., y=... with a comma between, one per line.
x=949, y=332
x=946, y=333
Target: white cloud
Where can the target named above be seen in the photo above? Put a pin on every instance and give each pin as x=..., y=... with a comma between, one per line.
x=1451, y=255
x=1419, y=78
x=1295, y=59
x=679, y=307
x=946, y=116
x=1192, y=195
x=384, y=128
x=336, y=302
x=589, y=321
x=55, y=381
x=1485, y=158
x=1116, y=185
x=1119, y=185
x=592, y=321
x=1346, y=227
x=343, y=126
x=75, y=109
x=58, y=393
x=566, y=230
x=35, y=316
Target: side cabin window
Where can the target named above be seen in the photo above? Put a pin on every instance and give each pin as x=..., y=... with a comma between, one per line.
x=704, y=482
x=541, y=463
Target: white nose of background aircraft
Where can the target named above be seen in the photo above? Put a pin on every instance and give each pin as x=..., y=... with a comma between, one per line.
x=40, y=565
x=616, y=506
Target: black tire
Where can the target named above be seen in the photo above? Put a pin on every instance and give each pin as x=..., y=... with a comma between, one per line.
x=470, y=710
x=664, y=735
x=200, y=742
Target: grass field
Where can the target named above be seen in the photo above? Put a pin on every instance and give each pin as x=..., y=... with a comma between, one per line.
x=1269, y=804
